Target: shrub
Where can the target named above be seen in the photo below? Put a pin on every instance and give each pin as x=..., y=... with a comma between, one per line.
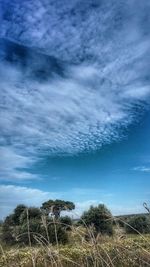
x=60, y=233
x=34, y=230
x=33, y=213
x=31, y=228
x=139, y=224
x=37, y=231
x=7, y=235
x=17, y=213
x=100, y=218
x=56, y=232
x=66, y=222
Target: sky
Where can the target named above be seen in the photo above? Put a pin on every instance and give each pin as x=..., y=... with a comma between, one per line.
x=75, y=103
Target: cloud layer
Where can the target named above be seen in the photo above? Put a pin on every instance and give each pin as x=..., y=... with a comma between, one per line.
x=87, y=85
x=77, y=30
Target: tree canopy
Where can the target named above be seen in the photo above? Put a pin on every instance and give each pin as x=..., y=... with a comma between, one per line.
x=100, y=218
x=26, y=226
x=56, y=206
x=33, y=213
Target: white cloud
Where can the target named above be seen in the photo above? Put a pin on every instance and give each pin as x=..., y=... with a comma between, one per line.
x=11, y=196
x=142, y=169
x=65, y=115
x=95, y=98
x=62, y=116
x=77, y=29
x=131, y=209
x=14, y=166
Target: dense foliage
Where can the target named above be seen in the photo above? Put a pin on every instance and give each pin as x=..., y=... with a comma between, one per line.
x=29, y=225
x=7, y=231
x=139, y=224
x=17, y=213
x=99, y=217
x=66, y=222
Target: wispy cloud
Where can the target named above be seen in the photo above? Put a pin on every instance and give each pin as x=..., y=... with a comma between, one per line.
x=77, y=107
x=142, y=169
x=65, y=115
x=62, y=116
x=15, y=167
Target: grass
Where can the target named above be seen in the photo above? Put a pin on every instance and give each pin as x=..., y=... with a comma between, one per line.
x=131, y=250
x=83, y=249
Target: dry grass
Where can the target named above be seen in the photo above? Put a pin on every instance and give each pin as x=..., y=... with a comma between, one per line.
x=83, y=250
x=96, y=252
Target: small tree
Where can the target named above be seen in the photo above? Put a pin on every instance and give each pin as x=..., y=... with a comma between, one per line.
x=26, y=235
x=99, y=217
x=56, y=206
x=33, y=213
x=139, y=224
x=30, y=225
x=66, y=222
x=57, y=234
x=17, y=213
x=7, y=234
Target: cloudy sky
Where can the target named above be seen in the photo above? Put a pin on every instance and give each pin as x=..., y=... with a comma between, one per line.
x=74, y=103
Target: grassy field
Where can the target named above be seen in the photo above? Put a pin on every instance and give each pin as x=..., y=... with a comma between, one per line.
x=118, y=251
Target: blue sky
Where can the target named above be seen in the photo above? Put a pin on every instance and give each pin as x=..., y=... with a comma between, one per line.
x=75, y=96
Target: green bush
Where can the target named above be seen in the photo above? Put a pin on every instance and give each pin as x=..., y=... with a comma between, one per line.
x=66, y=222
x=34, y=230
x=17, y=213
x=31, y=229
x=38, y=233
x=53, y=232
x=7, y=235
x=57, y=233
x=139, y=224
x=99, y=217
x=31, y=213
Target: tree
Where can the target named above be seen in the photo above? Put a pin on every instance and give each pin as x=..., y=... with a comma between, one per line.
x=99, y=217
x=27, y=225
x=139, y=224
x=17, y=213
x=7, y=235
x=35, y=232
x=56, y=206
x=27, y=232
x=33, y=213
x=30, y=225
x=66, y=222
x=57, y=234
